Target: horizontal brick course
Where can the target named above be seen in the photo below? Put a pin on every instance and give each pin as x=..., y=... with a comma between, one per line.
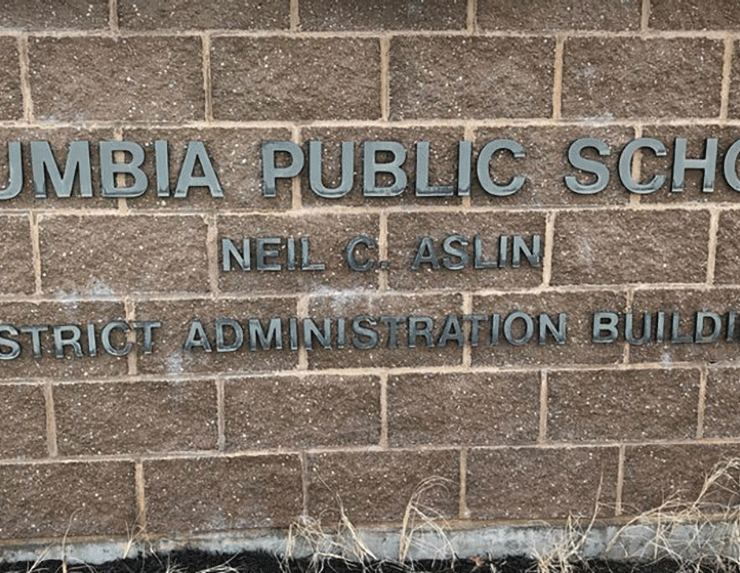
x=630, y=247
x=607, y=78
x=189, y=15
x=235, y=155
x=406, y=230
x=129, y=79
x=527, y=483
x=475, y=77
x=546, y=164
x=578, y=348
x=443, y=158
x=113, y=255
x=296, y=79
x=38, y=15
x=11, y=101
x=217, y=494
x=685, y=302
x=339, y=305
x=378, y=15
x=656, y=473
x=476, y=409
x=548, y=15
x=289, y=412
x=16, y=252
x=58, y=313
x=82, y=498
x=720, y=410
x=693, y=15
x=135, y=417
x=170, y=358
x=328, y=237
x=377, y=486
x=23, y=423
x=640, y=404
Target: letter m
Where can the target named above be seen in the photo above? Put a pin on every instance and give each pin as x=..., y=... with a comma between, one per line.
x=43, y=163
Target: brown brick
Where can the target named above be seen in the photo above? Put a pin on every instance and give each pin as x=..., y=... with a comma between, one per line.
x=546, y=165
x=578, y=348
x=190, y=15
x=656, y=473
x=541, y=15
x=39, y=15
x=377, y=486
x=170, y=358
x=694, y=15
x=16, y=272
x=379, y=15
x=454, y=77
x=23, y=423
x=235, y=154
x=594, y=247
x=295, y=79
x=291, y=412
x=405, y=231
x=121, y=255
x=605, y=78
x=686, y=302
x=693, y=178
x=328, y=236
x=734, y=101
x=442, y=163
x=59, y=139
x=81, y=498
x=720, y=413
x=605, y=405
x=537, y=483
x=58, y=313
x=728, y=248
x=349, y=306
x=222, y=493
x=129, y=79
x=135, y=417
x=470, y=408
x=11, y=100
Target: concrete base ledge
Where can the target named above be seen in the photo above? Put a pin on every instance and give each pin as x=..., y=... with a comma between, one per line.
x=548, y=543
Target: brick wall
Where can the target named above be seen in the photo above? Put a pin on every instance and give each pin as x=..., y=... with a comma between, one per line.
x=177, y=442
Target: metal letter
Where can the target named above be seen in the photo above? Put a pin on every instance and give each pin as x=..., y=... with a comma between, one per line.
x=625, y=165
x=369, y=335
x=108, y=169
x=349, y=253
x=415, y=332
x=263, y=253
x=422, y=175
x=371, y=168
x=707, y=164
x=311, y=331
x=451, y=331
x=187, y=179
x=730, y=166
x=15, y=348
x=197, y=337
x=546, y=325
x=425, y=254
x=315, y=181
x=270, y=172
x=604, y=322
x=484, y=159
x=699, y=336
x=34, y=331
x=462, y=255
x=629, y=334
x=464, y=167
x=108, y=345
x=229, y=250
x=162, y=168
x=273, y=337
x=519, y=247
x=148, y=327
x=588, y=165
x=15, y=171
x=238, y=335
x=78, y=161
x=60, y=341
x=528, y=328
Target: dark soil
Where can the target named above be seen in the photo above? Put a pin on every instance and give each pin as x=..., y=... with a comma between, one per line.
x=192, y=561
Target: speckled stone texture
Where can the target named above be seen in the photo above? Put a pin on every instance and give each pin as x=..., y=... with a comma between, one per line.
x=81, y=79
x=23, y=424
x=11, y=102
x=216, y=494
